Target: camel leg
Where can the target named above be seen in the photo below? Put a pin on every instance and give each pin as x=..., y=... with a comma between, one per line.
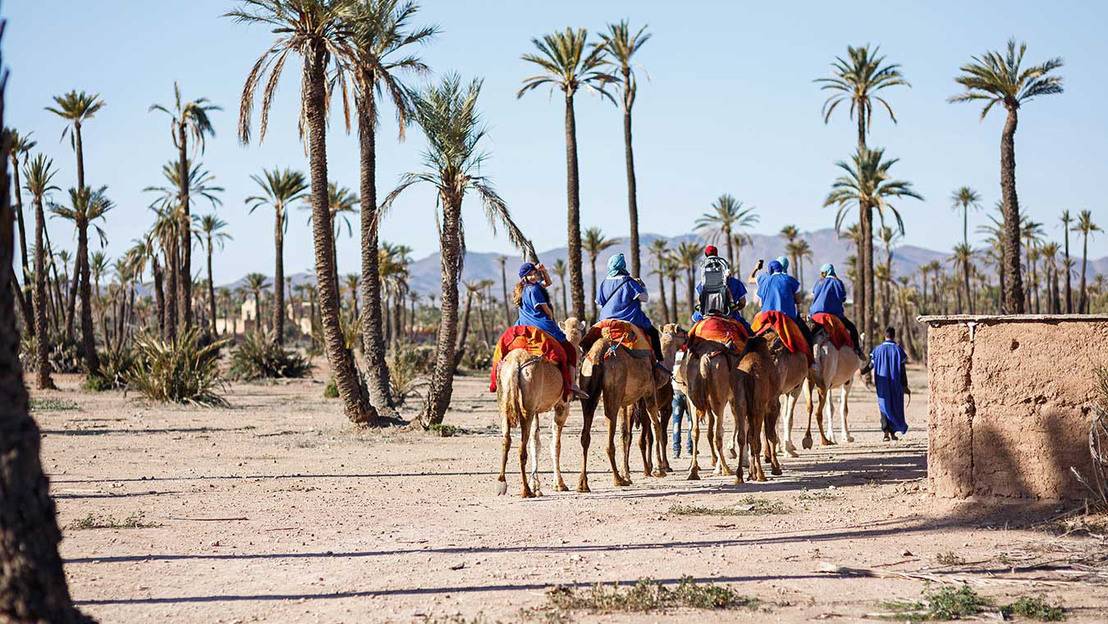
x=561, y=412
x=722, y=469
x=807, y=441
x=823, y=406
x=754, y=441
x=536, y=449
x=586, y=439
x=645, y=442
x=787, y=427
x=661, y=466
x=772, y=441
x=844, y=393
x=738, y=437
x=526, y=424
x=694, y=466
x=625, y=435
x=505, y=446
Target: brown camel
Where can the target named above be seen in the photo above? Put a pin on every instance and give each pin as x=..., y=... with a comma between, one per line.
x=627, y=380
x=673, y=337
x=792, y=371
x=528, y=386
x=763, y=385
x=714, y=382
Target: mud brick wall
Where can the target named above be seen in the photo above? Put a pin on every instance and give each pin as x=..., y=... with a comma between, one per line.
x=1011, y=402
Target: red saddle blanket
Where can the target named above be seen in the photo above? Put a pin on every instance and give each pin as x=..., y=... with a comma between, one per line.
x=836, y=330
x=786, y=329
x=536, y=342
x=621, y=332
x=720, y=329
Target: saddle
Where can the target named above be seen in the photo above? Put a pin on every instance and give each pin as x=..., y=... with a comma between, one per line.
x=621, y=334
x=726, y=331
x=786, y=330
x=834, y=328
x=536, y=342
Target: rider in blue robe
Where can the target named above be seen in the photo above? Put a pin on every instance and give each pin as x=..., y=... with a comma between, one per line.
x=621, y=296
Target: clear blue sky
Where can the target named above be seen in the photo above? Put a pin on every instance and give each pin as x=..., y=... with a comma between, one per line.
x=726, y=104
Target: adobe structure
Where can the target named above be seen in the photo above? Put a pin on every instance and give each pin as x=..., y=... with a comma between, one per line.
x=1011, y=403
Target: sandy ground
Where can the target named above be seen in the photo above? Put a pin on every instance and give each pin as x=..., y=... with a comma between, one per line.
x=277, y=510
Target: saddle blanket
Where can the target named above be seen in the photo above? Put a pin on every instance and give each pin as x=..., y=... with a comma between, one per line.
x=536, y=342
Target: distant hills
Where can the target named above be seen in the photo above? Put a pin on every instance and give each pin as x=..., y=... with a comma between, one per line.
x=826, y=246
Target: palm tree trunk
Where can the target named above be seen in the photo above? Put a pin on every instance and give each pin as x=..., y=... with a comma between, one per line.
x=632, y=192
x=865, y=285
x=662, y=297
x=592, y=299
x=355, y=402
x=1066, y=266
x=19, y=220
x=279, y=278
x=43, y=380
x=71, y=301
x=88, y=332
x=159, y=296
x=460, y=347
x=730, y=247
x=373, y=340
x=673, y=297
x=966, y=281
x=1013, y=288
x=1083, y=291
x=573, y=193
x=690, y=289
x=565, y=307
x=451, y=259
x=211, y=290
x=184, y=280
x=172, y=273
x=504, y=290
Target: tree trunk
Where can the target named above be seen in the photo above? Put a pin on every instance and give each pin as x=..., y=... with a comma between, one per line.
x=43, y=380
x=966, y=281
x=673, y=298
x=32, y=582
x=460, y=348
x=373, y=340
x=1067, y=267
x=184, y=246
x=211, y=290
x=355, y=402
x=632, y=192
x=88, y=333
x=159, y=296
x=865, y=290
x=172, y=273
x=451, y=259
x=1083, y=292
x=592, y=299
x=662, y=298
x=504, y=289
x=690, y=289
x=71, y=301
x=19, y=220
x=730, y=247
x=1013, y=289
x=573, y=192
x=279, y=277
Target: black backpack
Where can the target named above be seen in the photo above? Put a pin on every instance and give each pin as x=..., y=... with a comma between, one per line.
x=715, y=296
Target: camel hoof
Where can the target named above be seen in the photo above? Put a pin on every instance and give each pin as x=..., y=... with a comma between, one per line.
x=502, y=488
x=738, y=479
x=849, y=438
x=790, y=448
x=622, y=482
x=826, y=442
x=583, y=489
x=807, y=442
x=560, y=487
x=659, y=473
x=526, y=493
x=693, y=476
x=776, y=470
x=761, y=477
x=733, y=453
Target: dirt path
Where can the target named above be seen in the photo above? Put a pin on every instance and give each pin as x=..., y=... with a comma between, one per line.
x=275, y=510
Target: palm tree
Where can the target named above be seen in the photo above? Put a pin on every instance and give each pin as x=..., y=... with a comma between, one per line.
x=994, y=232
x=447, y=112
x=314, y=30
x=503, y=261
x=98, y=264
x=801, y=250
x=19, y=149
x=672, y=271
x=566, y=65
x=866, y=185
x=688, y=254
x=255, y=283
x=995, y=78
x=963, y=256
x=1085, y=227
x=620, y=46
x=1067, y=262
x=859, y=80
x=559, y=269
x=39, y=173
x=790, y=233
x=85, y=207
x=727, y=216
x=76, y=108
x=186, y=119
x=1049, y=255
x=212, y=229
x=963, y=199
x=279, y=189
x=659, y=251
x=378, y=54
x=594, y=243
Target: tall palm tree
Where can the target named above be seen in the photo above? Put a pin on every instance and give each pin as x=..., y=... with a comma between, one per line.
x=687, y=255
x=379, y=55
x=859, y=80
x=39, y=173
x=1085, y=227
x=867, y=185
x=1033, y=235
x=1067, y=262
x=620, y=46
x=85, y=207
x=76, y=107
x=996, y=78
x=559, y=269
x=965, y=198
x=187, y=119
x=314, y=30
x=566, y=64
x=594, y=243
x=791, y=233
x=727, y=216
x=256, y=283
x=447, y=112
x=213, y=230
x=801, y=250
x=1049, y=255
x=19, y=150
x=279, y=189
x=659, y=251
x=503, y=262
x=963, y=257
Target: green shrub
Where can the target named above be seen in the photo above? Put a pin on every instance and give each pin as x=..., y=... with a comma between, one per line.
x=1035, y=608
x=116, y=368
x=180, y=371
x=260, y=357
x=64, y=355
x=408, y=365
x=331, y=390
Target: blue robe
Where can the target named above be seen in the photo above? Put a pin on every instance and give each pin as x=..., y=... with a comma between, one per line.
x=621, y=298
x=829, y=294
x=530, y=314
x=778, y=292
x=890, y=378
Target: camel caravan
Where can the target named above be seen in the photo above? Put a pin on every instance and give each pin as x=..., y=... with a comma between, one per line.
x=721, y=364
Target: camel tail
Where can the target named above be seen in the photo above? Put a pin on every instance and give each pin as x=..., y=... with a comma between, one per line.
x=512, y=401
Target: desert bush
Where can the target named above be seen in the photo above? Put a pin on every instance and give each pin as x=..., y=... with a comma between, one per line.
x=259, y=356
x=478, y=355
x=178, y=371
x=116, y=367
x=64, y=355
x=409, y=365
x=331, y=390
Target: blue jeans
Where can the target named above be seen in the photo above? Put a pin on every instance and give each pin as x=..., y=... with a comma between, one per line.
x=680, y=411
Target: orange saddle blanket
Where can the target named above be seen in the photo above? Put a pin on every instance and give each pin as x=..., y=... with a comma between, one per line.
x=785, y=328
x=720, y=329
x=621, y=332
x=836, y=330
x=536, y=342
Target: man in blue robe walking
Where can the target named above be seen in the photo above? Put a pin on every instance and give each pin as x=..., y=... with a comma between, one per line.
x=891, y=380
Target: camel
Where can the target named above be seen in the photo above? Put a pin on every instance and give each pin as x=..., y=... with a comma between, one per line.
x=763, y=383
x=527, y=387
x=673, y=337
x=832, y=368
x=713, y=382
x=627, y=381
x=792, y=371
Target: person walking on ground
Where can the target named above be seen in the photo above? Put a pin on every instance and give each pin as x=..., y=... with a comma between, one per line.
x=891, y=380
x=680, y=411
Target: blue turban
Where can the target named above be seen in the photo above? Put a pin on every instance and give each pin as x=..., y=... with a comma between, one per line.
x=775, y=267
x=784, y=262
x=617, y=265
x=828, y=269
x=526, y=268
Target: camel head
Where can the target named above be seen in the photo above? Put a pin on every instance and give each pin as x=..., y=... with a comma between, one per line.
x=574, y=330
x=673, y=337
